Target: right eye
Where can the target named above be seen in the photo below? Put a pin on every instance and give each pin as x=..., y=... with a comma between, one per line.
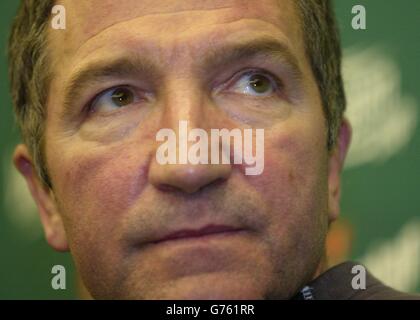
x=113, y=99
x=255, y=84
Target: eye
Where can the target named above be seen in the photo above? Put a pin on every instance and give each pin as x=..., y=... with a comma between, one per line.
x=256, y=84
x=113, y=99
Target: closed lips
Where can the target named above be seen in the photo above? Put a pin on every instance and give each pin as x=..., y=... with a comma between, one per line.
x=195, y=233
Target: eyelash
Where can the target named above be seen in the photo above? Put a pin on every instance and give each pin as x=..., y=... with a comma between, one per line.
x=89, y=105
x=263, y=72
x=278, y=83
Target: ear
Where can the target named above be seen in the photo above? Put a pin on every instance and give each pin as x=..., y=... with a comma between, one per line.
x=44, y=199
x=335, y=166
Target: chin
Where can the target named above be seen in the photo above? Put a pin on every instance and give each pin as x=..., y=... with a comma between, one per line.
x=209, y=289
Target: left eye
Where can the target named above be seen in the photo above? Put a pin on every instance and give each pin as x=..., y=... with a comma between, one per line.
x=255, y=83
x=114, y=99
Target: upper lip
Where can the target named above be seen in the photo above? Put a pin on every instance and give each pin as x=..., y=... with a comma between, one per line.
x=198, y=232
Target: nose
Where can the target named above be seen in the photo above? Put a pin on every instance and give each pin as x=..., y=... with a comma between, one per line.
x=190, y=106
x=187, y=178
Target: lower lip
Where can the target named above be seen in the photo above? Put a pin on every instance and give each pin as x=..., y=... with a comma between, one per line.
x=201, y=238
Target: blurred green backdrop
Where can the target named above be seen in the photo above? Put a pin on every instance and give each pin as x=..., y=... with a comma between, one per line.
x=380, y=222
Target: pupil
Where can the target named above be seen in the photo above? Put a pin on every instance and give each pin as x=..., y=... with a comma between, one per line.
x=260, y=84
x=122, y=97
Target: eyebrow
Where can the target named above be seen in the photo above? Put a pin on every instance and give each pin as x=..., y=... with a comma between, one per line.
x=217, y=58
x=263, y=48
x=127, y=67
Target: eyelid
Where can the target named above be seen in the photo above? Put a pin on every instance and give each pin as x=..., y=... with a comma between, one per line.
x=233, y=79
x=90, y=105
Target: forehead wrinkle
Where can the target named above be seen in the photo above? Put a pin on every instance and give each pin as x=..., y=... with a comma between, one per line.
x=121, y=15
x=239, y=12
x=171, y=47
x=98, y=33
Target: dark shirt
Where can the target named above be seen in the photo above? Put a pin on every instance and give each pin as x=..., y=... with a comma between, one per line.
x=336, y=284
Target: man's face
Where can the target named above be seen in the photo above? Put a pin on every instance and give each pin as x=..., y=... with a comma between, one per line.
x=151, y=64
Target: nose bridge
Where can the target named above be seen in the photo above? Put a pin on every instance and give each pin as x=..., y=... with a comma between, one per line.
x=184, y=101
x=186, y=107
x=184, y=97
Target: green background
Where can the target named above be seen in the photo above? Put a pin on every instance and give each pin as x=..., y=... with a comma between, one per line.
x=379, y=198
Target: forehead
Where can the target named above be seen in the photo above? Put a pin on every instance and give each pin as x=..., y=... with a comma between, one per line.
x=92, y=22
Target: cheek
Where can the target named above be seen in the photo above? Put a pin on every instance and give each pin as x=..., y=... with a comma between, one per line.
x=96, y=187
x=295, y=169
x=294, y=183
x=294, y=186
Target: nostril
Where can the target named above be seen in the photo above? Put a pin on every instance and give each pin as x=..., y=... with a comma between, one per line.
x=190, y=187
x=167, y=188
x=187, y=178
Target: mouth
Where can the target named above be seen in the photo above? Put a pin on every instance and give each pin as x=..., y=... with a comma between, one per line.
x=205, y=232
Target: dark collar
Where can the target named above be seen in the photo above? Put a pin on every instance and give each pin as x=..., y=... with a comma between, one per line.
x=336, y=284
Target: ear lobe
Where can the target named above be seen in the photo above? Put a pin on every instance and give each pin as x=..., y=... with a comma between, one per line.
x=44, y=198
x=336, y=163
